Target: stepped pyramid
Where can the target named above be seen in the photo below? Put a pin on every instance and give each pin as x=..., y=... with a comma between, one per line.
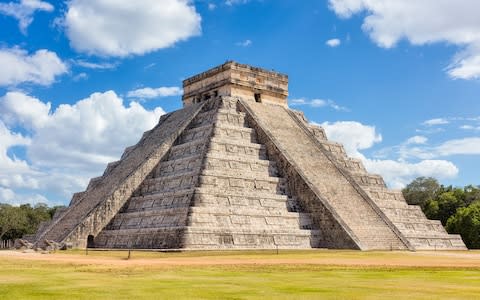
x=236, y=169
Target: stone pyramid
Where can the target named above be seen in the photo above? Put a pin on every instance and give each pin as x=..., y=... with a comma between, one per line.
x=236, y=169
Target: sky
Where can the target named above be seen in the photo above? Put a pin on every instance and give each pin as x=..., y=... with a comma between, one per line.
x=397, y=82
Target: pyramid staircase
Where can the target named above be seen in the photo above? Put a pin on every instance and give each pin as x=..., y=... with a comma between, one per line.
x=215, y=189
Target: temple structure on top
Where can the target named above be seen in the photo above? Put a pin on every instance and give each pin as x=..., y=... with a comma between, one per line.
x=237, y=169
x=237, y=80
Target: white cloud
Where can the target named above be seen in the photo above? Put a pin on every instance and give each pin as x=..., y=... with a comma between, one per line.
x=469, y=127
x=245, y=43
x=17, y=108
x=80, y=76
x=6, y=195
x=212, y=6
x=422, y=23
x=67, y=146
x=333, y=43
x=123, y=27
x=399, y=173
x=437, y=121
x=96, y=66
x=356, y=136
x=24, y=11
x=18, y=66
x=317, y=103
x=150, y=93
x=465, y=146
x=418, y=139
x=353, y=135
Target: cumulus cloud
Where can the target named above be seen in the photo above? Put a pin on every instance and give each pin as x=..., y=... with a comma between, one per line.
x=151, y=93
x=353, y=135
x=422, y=23
x=41, y=67
x=24, y=11
x=437, y=121
x=397, y=173
x=333, y=43
x=317, y=103
x=66, y=146
x=123, y=27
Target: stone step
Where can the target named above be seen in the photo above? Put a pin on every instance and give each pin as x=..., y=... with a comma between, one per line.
x=240, y=158
x=147, y=238
x=228, y=117
x=240, y=184
x=127, y=151
x=77, y=197
x=267, y=200
x=391, y=204
x=235, y=133
x=450, y=242
x=239, y=173
x=206, y=238
x=317, y=131
x=110, y=167
x=182, y=164
x=385, y=194
x=409, y=211
x=369, y=180
x=420, y=227
x=354, y=165
x=421, y=224
x=178, y=198
x=180, y=180
x=94, y=182
x=188, y=149
x=237, y=164
x=247, y=211
x=195, y=133
x=232, y=147
x=204, y=118
x=150, y=219
x=334, y=148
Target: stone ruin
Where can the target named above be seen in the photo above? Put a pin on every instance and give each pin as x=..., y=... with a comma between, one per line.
x=237, y=169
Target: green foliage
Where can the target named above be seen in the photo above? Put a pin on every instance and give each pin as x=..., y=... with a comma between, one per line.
x=447, y=203
x=466, y=222
x=16, y=221
x=419, y=191
x=457, y=208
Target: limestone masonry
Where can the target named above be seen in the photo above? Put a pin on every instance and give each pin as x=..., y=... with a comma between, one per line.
x=236, y=169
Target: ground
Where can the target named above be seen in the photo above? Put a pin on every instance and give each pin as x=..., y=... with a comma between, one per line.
x=312, y=274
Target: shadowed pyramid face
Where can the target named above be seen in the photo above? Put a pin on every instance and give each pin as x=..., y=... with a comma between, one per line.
x=237, y=80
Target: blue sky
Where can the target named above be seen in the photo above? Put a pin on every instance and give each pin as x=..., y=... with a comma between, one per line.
x=396, y=82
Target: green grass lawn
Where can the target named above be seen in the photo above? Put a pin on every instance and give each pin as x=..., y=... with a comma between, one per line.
x=28, y=279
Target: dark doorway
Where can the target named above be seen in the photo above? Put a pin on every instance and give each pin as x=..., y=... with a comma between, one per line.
x=90, y=242
x=258, y=98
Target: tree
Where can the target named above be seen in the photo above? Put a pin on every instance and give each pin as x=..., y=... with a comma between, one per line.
x=15, y=221
x=466, y=222
x=419, y=191
x=11, y=221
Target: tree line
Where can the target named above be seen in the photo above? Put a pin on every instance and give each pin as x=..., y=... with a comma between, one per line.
x=16, y=221
x=457, y=208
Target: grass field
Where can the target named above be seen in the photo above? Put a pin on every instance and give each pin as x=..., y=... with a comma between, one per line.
x=318, y=274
